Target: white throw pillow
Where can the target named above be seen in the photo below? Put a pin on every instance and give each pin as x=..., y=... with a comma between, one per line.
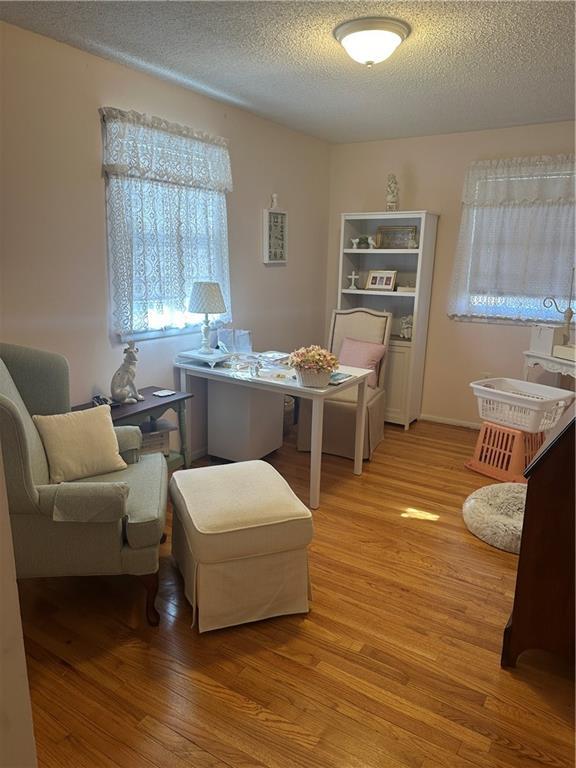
x=80, y=443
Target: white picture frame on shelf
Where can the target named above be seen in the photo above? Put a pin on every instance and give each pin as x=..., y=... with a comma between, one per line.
x=381, y=280
x=274, y=236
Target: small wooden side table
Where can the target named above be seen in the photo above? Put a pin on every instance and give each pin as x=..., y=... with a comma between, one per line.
x=150, y=410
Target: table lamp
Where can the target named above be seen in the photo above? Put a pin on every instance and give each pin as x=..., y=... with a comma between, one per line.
x=206, y=298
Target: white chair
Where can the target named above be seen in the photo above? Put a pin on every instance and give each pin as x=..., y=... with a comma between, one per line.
x=340, y=411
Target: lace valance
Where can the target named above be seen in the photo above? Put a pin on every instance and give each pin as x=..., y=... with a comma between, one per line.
x=520, y=181
x=151, y=148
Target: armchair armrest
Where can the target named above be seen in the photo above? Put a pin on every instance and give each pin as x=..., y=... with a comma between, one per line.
x=84, y=502
x=129, y=443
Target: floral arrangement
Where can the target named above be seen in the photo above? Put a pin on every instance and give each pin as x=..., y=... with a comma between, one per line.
x=313, y=358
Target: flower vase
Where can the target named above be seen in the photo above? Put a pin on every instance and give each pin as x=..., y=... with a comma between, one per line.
x=308, y=377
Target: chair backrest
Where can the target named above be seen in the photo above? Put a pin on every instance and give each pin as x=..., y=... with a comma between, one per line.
x=363, y=324
x=31, y=382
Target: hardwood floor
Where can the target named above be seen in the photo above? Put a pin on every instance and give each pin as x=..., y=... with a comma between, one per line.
x=396, y=666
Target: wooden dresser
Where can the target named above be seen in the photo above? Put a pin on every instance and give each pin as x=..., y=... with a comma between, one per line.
x=543, y=612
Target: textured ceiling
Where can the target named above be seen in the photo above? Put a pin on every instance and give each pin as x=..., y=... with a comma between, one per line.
x=466, y=65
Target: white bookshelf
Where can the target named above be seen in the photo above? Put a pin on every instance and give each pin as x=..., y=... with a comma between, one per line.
x=414, y=267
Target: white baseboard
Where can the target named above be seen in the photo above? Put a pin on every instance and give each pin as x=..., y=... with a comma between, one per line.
x=452, y=422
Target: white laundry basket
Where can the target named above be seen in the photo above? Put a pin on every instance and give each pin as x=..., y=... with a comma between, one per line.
x=520, y=404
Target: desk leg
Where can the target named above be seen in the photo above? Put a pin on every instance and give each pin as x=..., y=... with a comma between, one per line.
x=182, y=424
x=183, y=436
x=360, y=426
x=316, y=450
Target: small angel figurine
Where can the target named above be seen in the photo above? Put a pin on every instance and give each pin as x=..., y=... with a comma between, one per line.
x=354, y=241
x=406, y=324
x=371, y=242
x=392, y=193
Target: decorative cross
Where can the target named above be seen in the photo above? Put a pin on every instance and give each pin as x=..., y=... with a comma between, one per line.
x=353, y=277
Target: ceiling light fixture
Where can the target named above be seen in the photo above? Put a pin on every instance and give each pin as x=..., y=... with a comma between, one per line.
x=371, y=40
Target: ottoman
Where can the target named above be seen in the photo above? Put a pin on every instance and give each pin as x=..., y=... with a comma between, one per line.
x=240, y=538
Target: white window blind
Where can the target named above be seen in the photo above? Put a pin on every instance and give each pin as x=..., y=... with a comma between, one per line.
x=516, y=241
x=167, y=222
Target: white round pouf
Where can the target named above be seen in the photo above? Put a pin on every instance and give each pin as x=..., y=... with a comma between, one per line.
x=495, y=514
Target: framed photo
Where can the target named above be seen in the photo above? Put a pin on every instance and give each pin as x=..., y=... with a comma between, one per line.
x=274, y=236
x=381, y=280
x=397, y=237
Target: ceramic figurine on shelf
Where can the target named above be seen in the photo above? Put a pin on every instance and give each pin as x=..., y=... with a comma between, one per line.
x=371, y=242
x=123, y=386
x=353, y=277
x=392, y=193
x=354, y=241
x=406, y=324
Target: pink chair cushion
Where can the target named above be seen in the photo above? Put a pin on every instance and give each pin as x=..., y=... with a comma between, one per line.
x=362, y=354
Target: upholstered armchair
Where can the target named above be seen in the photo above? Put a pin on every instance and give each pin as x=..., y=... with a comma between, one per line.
x=108, y=524
x=340, y=411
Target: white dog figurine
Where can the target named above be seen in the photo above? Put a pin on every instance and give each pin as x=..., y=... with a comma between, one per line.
x=123, y=386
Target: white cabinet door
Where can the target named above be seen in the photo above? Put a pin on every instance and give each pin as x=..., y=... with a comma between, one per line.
x=397, y=382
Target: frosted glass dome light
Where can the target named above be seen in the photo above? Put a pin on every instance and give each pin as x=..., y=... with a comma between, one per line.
x=371, y=40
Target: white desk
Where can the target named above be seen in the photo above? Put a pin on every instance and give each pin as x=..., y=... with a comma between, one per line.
x=289, y=386
x=549, y=363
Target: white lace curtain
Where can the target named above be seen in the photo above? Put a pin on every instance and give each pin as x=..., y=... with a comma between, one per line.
x=516, y=241
x=167, y=221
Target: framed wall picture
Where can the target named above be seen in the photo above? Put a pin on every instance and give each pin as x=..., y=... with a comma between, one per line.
x=274, y=236
x=381, y=280
x=397, y=237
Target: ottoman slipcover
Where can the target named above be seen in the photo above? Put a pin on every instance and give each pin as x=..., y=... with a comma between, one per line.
x=240, y=538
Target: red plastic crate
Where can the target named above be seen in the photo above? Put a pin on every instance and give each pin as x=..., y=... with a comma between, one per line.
x=504, y=453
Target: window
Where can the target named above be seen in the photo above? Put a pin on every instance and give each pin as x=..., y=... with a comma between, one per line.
x=167, y=224
x=516, y=241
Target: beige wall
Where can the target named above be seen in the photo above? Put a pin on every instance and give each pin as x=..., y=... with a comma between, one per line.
x=431, y=172
x=54, y=292
x=17, y=747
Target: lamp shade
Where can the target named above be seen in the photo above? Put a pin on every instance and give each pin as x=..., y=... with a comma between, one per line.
x=206, y=298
